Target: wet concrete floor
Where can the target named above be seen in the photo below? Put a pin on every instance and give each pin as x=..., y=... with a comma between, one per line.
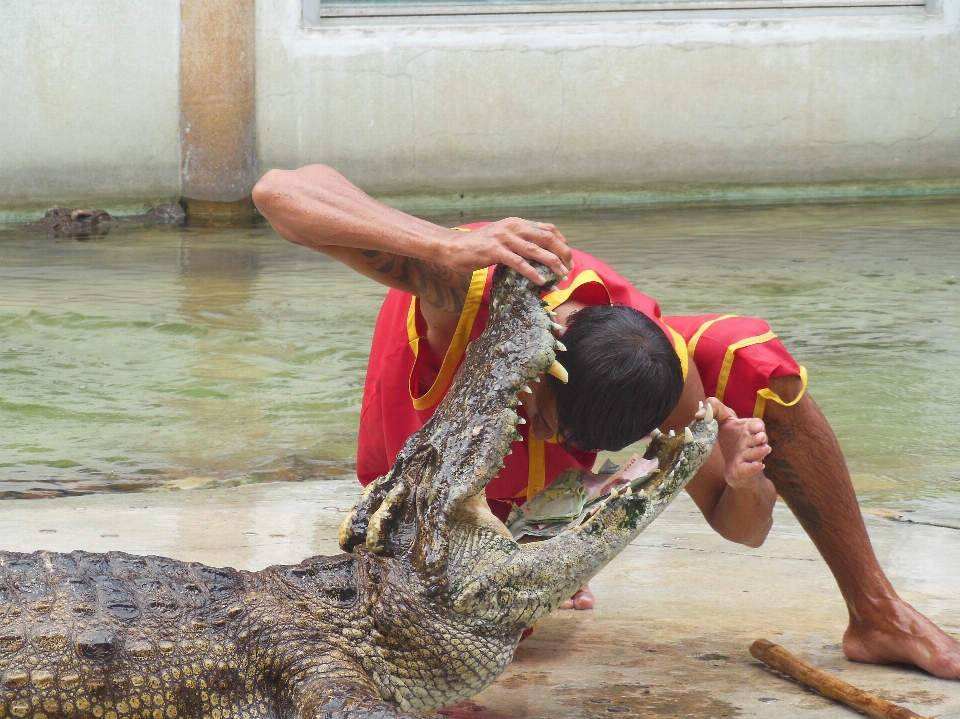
x=675, y=612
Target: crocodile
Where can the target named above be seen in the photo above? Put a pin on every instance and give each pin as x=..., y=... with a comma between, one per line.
x=424, y=607
x=82, y=223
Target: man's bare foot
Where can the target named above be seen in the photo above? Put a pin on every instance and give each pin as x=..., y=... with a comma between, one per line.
x=743, y=443
x=903, y=636
x=583, y=599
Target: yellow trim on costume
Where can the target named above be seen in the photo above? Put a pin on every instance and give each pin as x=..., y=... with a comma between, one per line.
x=558, y=297
x=462, y=229
x=536, y=467
x=692, y=344
x=764, y=394
x=537, y=471
x=458, y=344
x=728, y=359
x=412, y=335
x=680, y=347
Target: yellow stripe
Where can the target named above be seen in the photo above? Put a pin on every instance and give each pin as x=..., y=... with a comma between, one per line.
x=728, y=359
x=412, y=335
x=558, y=297
x=537, y=470
x=692, y=344
x=457, y=345
x=680, y=347
x=764, y=394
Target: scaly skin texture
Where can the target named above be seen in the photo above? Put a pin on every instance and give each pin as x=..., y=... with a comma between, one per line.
x=424, y=608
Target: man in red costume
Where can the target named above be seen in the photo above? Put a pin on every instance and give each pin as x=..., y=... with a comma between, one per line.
x=630, y=370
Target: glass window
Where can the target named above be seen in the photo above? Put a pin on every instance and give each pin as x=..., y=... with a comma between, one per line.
x=315, y=10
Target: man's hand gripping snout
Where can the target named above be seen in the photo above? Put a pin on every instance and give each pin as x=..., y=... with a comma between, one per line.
x=742, y=442
x=512, y=242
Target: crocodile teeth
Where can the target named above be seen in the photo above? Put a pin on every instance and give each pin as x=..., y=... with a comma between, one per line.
x=672, y=434
x=537, y=378
x=521, y=420
x=687, y=436
x=565, y=278
x=556, y=326
x=560, y=346
x=526, y=388
x=614, y=493
x=700, y=405
x=628, y=491
x=558, y=371
x=654, y=433
x=551, y=313
x=708, y=417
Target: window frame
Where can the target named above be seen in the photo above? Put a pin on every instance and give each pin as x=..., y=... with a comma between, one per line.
x=315, y=12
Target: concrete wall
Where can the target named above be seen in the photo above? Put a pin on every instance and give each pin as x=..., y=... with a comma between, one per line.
x=89, y=100
x=90, y=105
x=645, y=100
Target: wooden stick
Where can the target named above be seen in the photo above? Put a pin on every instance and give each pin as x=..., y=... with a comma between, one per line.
x=780, y=659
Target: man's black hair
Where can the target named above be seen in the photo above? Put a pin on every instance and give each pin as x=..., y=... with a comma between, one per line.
x=624, y=378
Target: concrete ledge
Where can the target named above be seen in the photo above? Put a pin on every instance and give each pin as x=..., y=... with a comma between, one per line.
x=116, y=207
x=613, y=197
x=509, y=199
x=676, y=611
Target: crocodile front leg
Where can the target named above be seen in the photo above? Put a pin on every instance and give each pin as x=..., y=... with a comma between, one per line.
x=322, y=698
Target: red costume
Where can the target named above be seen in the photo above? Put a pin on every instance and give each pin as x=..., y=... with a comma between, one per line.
x=396, y=402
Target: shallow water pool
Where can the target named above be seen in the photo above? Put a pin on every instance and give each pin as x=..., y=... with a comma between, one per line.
x=174, y=358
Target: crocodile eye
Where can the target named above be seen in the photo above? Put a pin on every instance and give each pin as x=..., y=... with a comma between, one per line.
x=339, y=595
x=213, y=574
x=123, y=610
x=332, y=580
x=116, y=599
x=218, y=591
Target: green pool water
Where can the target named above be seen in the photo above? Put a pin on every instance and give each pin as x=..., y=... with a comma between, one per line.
x=176, y=358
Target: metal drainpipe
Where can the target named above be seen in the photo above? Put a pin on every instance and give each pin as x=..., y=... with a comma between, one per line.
x=217, y=111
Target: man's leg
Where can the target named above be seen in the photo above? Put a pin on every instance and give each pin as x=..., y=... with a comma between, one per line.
x=811, y=476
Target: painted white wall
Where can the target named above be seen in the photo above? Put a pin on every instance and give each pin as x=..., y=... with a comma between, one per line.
x=89, y=100
x=701, y=97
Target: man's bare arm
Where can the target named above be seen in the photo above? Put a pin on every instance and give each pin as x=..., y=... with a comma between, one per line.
x=317, y=207
x=436, y=285
x=738, y=505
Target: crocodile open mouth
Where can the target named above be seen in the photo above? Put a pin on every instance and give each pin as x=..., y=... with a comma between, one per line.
x=577, y=497
x=428, y=521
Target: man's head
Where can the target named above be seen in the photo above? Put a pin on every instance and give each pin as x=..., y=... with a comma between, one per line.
x=625, y=378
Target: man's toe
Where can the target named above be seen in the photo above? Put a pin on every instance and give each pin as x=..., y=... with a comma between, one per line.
x=583, y=599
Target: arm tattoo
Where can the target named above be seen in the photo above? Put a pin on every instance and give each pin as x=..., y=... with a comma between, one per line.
x=433, y=283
